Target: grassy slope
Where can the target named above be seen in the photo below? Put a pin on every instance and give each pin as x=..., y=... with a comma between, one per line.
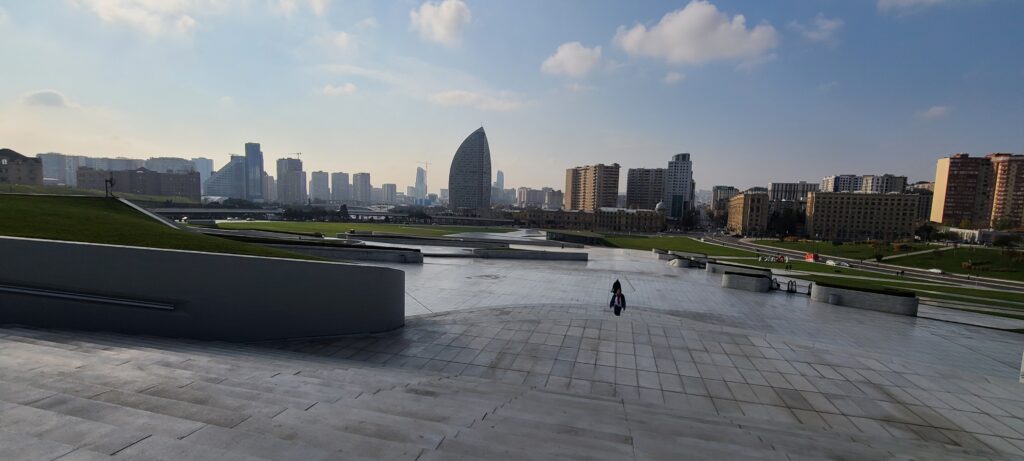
x=995, y=298
x=675, y=243
x=853, y=251
x=60, y=190
x=102, y=220
x=949, y=261
x=329, y=229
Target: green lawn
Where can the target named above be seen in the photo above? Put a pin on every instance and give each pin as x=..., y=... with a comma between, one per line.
x=995, y=298
x=104, y=220
x=331, y=228
x=61, y=190
x=999, y=265
x=815, y=268
x=848, y=250
x=674, y=243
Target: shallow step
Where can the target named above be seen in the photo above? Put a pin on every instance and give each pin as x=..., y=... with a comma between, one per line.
x=257, y=397
x=351, y=415
x=169, y=449
x=175, y=408
x=215, y=400
x=116, y=415
x=20, y=446
x=69, y=430
x=582, y=430
x=562, y=446
x=415, y=407
x=328, y=439
x=249, y=443
x=476, y=450
x=421, y=437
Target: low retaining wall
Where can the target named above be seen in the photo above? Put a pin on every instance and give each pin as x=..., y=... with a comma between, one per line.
x=748, y=282
x=903, y=305
x=88, y=286
x=682, y=262
x=720, y=267
x=356, y=254
x=534, y=255
x=425, y=241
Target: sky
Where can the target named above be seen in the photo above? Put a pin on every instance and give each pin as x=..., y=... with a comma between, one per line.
x=756, y=91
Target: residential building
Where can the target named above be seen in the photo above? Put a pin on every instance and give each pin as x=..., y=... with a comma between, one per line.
x=924, y=204
x=591, y=187
x=229, y=180
x=59, y=168
x=444, y=196
x=169, y=165
x=845, y=216
x=362, y=190
x=319, y=187
x=19, y=169
x=421, y=184
x=527, y=197
x=602, y=219
x=253, y=172
x=790, y=191
x=553, y=199
x=340, y=188
x=883, y=184
x=376, y=195
x=720, y=196
x=748, y=214
x=204, y=167
x=291, y=182
x=965, y=190
x=143, y=181
x=389, y=193
x=499, y=181
x=679, y=185
x=841, y=183
x=921, y=185
x=469, y=180
x=1007, y=191
x=269, y=188
x=645, y=187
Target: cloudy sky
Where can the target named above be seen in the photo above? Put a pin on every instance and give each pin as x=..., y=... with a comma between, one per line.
x=756, y=91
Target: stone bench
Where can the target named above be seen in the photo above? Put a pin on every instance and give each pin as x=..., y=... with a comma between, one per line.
x=748, y=282
x=895, y=302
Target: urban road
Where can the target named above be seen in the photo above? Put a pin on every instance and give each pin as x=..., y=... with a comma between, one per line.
x=882, y=268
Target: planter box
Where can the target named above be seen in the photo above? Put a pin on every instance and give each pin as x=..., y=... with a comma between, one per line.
x=891, y=303
x=748, y=282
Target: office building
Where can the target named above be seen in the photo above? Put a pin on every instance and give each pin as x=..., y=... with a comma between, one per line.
x=229, y=180
x=60, y=169
x=421, y=184
x=499, y=180
x=844, y=216
x=291, y=182
x=883, y=184
x=748, y=214
x=841, y=183
x=645, y=187
x=553, y=199
x=319, y=187
x=143, y=181
x=979, y=191
x=469, y=180
x=340, y=188
x=389, y=193
x=790, y=191
x=169, y=165
x=444, y=196
x=527, y=197
x=204, y=167
x=591, y=187
x=19, y=169
x=720, y=196
x=269, y=188
x=362, y=189
x=679, y=185
x=253, y=172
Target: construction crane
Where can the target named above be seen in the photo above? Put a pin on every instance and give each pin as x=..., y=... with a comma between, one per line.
x=426, y=165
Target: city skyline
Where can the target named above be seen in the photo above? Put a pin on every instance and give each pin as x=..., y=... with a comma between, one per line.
x=816, y=88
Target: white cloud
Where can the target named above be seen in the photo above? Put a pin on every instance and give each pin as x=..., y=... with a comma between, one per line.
x=934, y=112
x=319, y=6
x=672, y=78
x=572, y=59
x=340, y=90
x=154, y=17
x=368, y=23
x=820, y=29
x=697, y=33
x=891, y=6
x=337, y=40
x=753, y=63
x=441, y=22
x=502, y=103
x=48, y=98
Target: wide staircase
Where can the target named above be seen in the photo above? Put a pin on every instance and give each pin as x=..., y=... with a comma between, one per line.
x=85, y=396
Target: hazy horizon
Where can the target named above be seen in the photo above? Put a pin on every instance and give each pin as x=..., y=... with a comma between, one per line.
x=755, y=92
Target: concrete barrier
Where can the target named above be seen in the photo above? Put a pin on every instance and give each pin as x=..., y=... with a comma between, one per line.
x=87, y=286
x=748, y=282
x=683, y=262
x=490, y=253
x=717, y=267
x=893, y=304
x=356, y=254
x=424, y=241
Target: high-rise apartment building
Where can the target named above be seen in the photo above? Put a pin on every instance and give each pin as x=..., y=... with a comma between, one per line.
x=469, y=180
x=841, y=183
x=340, y=189
x=527, y=197
x=979, y=191
x=748, y=214
x=269, y=188
x=420, y=191
x=169, y=165
x=291, y=181
x=645, y=187
x=319, y=186
x=143, y=182
x=229, y=180
x=499, y=181
x=591, y=187
x=679, y=185
x=868, y=184
x=253, y=172
x=859, y=216
x=720, y=196
x=790, y=191
x=362, y=189
x=389, y=193
x=553, y=199
x=59, y=168
x=204, y=167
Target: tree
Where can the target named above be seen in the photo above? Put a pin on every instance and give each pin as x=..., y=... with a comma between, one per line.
x=1006, y=240
x=925, y=231
x=343, y=213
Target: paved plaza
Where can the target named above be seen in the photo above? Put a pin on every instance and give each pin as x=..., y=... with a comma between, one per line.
x=523, y=360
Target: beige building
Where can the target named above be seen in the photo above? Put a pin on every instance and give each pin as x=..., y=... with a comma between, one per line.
x=143, y=182
x=603, y=219
x=591, y=187
x=857, y=216
x=748, y=214
x=19, y=169
x=979, y=191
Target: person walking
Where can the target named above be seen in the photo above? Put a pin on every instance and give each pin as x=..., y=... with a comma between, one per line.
x=618, y=302
x=616, y=287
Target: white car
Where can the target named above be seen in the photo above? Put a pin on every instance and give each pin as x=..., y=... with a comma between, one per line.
x=935, y=271
x=833, y=262
x=830, y=263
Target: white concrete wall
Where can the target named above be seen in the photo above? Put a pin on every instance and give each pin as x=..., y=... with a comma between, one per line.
x=903, y=305
x=746, y=282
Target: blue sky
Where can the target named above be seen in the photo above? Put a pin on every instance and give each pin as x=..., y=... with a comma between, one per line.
x=756, y=91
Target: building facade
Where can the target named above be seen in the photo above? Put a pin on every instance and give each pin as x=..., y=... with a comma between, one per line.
x=553, y=199
x=291, y=181
x=169, y=165
x=645, y=187
x=790, y=191
x=229, y=180
x=420, y=189
x=602, y=219
x=19, y=169
x=143, y=182
x=362, y=188
x=883, y=184
x=319, y=186
x=841, y=183
x=1007, y=191
x=679, y=185
x=591, y=187
x=269, y=188
x=844, y=216
x=720, y=196
x=389, y=193
x=253, y=172
x=204, y=167
x=340, y=188
x=966, y=188
x=469, y=180
x=499, y=180
x=748, y=214
x=527, y=197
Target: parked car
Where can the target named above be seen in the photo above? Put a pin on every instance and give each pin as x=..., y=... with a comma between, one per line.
x=936, y=271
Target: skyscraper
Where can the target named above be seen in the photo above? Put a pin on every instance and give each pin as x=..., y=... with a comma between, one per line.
x=390, y=193
x=361, y=187
x=720, y=196
x=645, y=187
x=679, y=185
x=979, y=191
x=229, y=180
x=499, y=181
x=421, y=183
x=291, y=181
x=469, y=181
x=591, y=187
x=205, y=168
x=269, y=188
x=319, y=188
x=340, y=189
x=253, y=172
